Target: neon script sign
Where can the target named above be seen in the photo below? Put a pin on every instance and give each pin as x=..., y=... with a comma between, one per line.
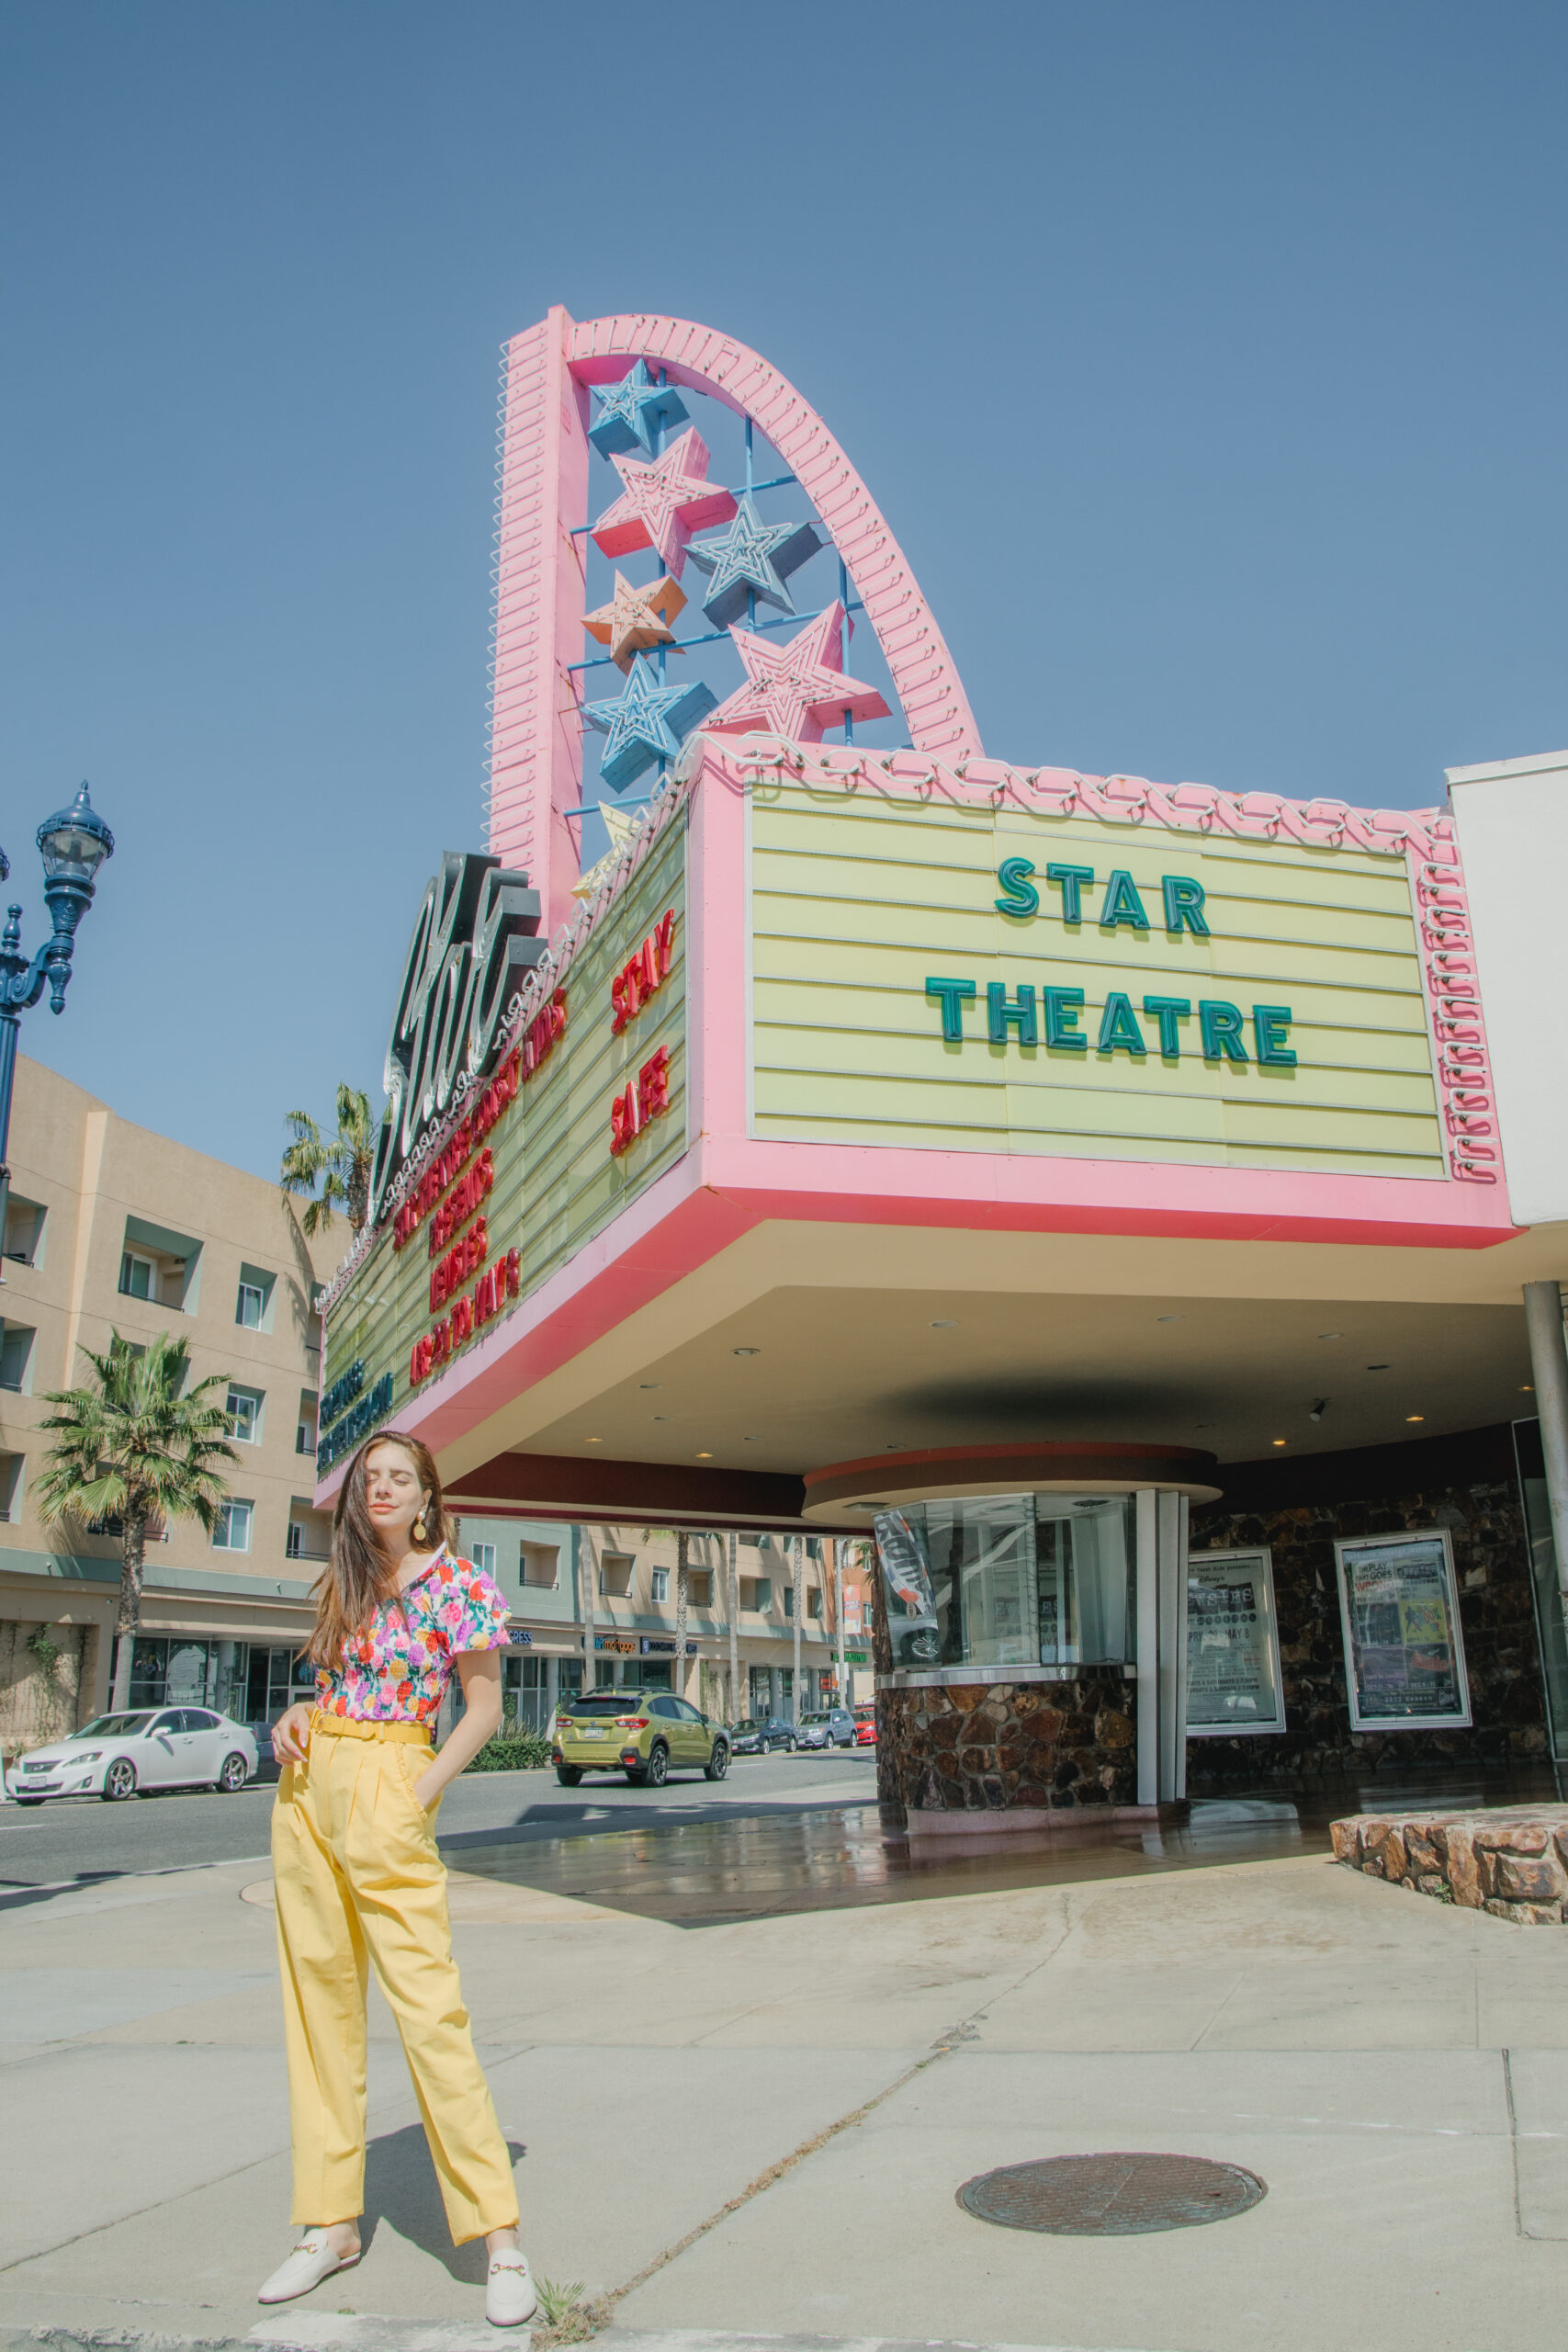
x=1049, y=1016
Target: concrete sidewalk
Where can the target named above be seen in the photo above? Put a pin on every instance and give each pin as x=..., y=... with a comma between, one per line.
x=1396, y=2071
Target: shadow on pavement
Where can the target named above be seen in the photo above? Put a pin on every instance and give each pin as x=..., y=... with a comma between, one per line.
x=401, y=2189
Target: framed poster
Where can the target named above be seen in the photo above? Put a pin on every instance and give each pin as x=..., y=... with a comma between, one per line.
x=1233, y=1645
x=1403, y=1649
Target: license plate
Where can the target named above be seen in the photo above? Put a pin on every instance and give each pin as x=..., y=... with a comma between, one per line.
x=594, y=1735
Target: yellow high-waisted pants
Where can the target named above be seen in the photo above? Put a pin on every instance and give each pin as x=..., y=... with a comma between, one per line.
x=358, y=1877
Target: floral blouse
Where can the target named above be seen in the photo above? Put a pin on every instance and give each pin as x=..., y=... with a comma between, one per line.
x=398, y=1668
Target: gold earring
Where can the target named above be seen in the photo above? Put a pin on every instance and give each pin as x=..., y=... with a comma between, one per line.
x=418, y=1530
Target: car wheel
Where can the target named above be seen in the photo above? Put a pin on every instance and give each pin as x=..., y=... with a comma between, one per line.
x=233, y=1776
x=717, y=1764
x=29, y=1800
x=789, y=1746
x=120, y=1781
x=569, y=1775
x=658, y=1767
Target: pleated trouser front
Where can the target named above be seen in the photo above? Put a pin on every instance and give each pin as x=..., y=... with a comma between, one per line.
x=360, y=1884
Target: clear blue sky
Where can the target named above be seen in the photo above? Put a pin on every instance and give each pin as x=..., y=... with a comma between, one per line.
x=1208, y=360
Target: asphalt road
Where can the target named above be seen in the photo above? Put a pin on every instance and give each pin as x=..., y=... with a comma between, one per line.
x=74, y=1837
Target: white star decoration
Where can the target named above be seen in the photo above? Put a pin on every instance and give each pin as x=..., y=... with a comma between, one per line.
x=797, y=689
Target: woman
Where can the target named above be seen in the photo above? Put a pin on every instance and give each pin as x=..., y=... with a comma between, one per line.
x=359, y=1879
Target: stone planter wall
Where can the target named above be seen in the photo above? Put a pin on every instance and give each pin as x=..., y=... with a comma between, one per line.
x=1466, y=1484
x=1034, y=1746
x=1513, y=1863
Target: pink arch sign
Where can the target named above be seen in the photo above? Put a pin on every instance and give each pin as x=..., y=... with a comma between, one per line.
x=535, y=766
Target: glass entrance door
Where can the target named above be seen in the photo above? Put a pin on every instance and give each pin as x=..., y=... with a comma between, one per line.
x=1545, y=1589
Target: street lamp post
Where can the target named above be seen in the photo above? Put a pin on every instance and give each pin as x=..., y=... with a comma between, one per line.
x=72, y=844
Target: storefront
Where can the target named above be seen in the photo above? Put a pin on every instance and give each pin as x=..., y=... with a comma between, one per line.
x=1059, y=1180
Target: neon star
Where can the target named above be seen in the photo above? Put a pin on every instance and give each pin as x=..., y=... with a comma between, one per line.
x=649, y=722
x=636, y=617
x=628, y=412
x=751, y=557
x=797, y=689
x=620, y=827
x=663, y=503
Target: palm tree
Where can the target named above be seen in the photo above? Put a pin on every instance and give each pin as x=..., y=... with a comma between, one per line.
x=342, y=1167
x=140, y=1449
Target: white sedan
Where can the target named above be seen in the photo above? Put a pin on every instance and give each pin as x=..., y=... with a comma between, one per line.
x=128, y=1755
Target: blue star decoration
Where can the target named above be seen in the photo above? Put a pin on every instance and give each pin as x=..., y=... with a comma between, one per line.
x=750, y=557
x=628, y=410
x=649, y=722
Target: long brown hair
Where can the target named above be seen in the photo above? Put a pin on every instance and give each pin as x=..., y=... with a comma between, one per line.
x=360, y=1575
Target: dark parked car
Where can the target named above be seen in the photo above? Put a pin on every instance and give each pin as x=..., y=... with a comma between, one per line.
x=833, y=1727
x=754, y=1737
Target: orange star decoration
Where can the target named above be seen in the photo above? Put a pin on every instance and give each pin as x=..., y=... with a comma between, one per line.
x=797, y=689
x=636, y=618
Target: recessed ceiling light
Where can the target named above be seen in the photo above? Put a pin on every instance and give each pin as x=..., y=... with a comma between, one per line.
x=1202, y=1425
x=1167, y=1319
x=661, y=1417
x=1331, y=1335
x=1281, y=1441
x=945, y=1326
x=745, y=1351
x=1377, y=1367
x=705, y=1457
x=593, y=1441
x=1526, y=1390
x=650, y=1384
x=750, y=1441
x=1414, y=1417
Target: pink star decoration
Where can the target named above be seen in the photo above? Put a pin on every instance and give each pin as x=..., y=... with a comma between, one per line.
x=663, y=503
x=797, y=689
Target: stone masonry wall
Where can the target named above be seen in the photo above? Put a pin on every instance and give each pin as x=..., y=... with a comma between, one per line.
x=1465, y=1484
x=1514, y=1863
x=1057, y=1746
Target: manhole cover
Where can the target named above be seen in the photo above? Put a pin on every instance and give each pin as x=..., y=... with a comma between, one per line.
x=1111, y=2197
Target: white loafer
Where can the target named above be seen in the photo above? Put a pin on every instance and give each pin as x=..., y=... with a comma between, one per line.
x=312, y=2261
x=511, y=2296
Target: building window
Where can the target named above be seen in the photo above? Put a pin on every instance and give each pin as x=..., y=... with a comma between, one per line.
x=814, y=1601
x=699, y=1588
x=10, y=1486
x=232, y=1533
x=295, y=1547
x=540, y=1564
x=16, y=1357
x=252, y=1305
x=661, y=1584
x=483, y=1558
x=304, y=1439
x=245, y=1415
x=789, y=1602
x=138, y=1276
x=24, y=1231
x=615, y=1575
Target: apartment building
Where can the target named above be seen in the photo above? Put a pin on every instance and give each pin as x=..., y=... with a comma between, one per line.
x=112, y=1228
x=616, y=1587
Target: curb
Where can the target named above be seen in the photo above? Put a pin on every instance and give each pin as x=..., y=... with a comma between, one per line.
x=372, y=2332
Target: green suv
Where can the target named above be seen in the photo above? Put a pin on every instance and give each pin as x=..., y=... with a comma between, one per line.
x=644, y=1734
